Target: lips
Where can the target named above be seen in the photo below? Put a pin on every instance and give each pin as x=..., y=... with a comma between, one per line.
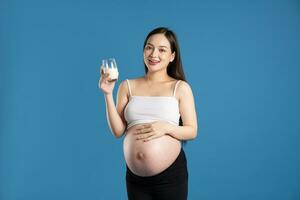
x=153, y=62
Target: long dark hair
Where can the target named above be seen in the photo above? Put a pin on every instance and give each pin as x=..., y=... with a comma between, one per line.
x=174, y=69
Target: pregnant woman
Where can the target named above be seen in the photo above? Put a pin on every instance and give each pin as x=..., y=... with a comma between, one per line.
x=156, y=113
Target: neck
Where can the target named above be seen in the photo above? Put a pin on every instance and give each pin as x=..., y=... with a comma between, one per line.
x=155, y=77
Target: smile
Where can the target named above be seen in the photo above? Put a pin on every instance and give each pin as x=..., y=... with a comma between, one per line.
x=153, y=62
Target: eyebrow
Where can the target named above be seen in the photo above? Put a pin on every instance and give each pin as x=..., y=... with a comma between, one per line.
x=159, y=46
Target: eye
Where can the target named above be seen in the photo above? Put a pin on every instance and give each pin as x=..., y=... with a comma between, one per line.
x=148, y=47
x=162, y=50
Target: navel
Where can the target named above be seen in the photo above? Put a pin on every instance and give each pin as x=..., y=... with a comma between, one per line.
x=140, y=156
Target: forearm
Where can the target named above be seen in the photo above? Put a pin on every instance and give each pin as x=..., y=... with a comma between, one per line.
x=114, y=120
x=182, y=132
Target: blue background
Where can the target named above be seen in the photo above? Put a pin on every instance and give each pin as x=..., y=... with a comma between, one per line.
x=240, y=58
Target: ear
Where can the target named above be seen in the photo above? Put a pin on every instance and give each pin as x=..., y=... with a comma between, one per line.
x=172, y=56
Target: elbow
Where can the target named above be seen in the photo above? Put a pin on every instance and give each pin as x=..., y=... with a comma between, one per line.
x=194, y=133
x=118, y=133
x=117, y=136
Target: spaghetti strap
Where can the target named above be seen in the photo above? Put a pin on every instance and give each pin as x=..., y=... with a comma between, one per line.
x=175, y=87
x=129, y=87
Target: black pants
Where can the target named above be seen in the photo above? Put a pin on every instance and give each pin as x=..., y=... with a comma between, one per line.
x=170, y=184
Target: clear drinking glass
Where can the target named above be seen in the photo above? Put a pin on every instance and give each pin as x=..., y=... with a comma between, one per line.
x=110, y=67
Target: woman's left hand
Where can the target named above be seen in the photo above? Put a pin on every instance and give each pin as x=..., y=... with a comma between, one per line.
x=149, y=131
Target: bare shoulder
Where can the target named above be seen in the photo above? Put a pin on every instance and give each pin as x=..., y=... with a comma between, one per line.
x=123, y=90
x=124, y=87
x=184, y=90
x=184, y=86
x=131, y=81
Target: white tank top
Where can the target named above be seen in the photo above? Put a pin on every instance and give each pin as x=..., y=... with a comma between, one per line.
x=146, y=109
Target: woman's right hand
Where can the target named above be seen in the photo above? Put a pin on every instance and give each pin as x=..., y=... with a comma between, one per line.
x=105, y=84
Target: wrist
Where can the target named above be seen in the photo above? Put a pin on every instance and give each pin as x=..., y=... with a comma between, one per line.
x=107, y=95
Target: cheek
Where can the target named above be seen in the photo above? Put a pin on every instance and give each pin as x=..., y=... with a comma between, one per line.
x=147, y=53
x=165, y=57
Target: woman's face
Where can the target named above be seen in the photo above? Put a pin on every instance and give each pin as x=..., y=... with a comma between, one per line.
x=157, y=52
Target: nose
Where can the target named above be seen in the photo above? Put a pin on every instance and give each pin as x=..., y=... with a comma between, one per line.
x=154, y=53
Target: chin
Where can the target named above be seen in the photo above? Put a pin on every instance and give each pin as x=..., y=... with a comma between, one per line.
x=154, y=68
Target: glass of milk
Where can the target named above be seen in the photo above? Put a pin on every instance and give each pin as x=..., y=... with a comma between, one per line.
x=110, y=67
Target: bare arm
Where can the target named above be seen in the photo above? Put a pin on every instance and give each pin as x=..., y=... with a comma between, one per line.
x=115, y=114
x=188, y=115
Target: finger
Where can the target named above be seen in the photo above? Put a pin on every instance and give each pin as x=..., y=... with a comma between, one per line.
x=143, y=131
x=102, y=70
x=143, y=126
x=151, y=138
x=144, y=136
x=138, y=132
x=105, y=76
x=139, y=128
x=104, y=79
x=147, y=130
x=147, y=125
x=110, y=80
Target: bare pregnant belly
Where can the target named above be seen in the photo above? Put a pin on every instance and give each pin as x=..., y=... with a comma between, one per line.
x=151, y=157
